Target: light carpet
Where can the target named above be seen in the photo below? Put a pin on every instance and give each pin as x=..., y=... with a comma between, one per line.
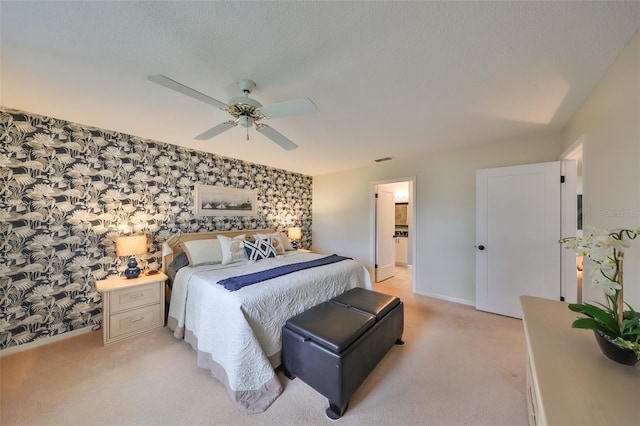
x=459, y=367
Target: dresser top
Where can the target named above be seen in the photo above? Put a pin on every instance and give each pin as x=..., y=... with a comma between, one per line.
x=577, y=384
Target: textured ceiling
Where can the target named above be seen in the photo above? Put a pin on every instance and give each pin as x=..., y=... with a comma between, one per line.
x=398, y=79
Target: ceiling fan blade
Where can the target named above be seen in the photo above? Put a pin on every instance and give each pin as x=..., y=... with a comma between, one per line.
x=276, y=137
x=289, y=108
x=181, y=88
x=214, y=131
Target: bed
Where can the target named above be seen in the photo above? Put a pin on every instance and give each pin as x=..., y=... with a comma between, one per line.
x=237, y=334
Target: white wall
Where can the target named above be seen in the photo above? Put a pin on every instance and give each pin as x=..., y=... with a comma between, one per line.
x=445, y=210
x=610, y=120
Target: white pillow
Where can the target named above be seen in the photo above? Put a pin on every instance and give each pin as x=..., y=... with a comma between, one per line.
x=286, y=242
x=274, y=239
x=232, y=249
x=202, y=252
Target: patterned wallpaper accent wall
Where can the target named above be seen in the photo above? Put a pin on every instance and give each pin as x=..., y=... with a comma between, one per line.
x=67, y=190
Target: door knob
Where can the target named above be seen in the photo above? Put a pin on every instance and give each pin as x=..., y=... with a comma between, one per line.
x=480, y=247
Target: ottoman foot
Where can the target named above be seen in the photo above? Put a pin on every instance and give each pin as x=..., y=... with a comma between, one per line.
x=399, y=342
x=334, y=411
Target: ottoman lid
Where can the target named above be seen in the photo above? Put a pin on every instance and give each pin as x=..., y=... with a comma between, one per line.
x=331, y=326
x=371, y=302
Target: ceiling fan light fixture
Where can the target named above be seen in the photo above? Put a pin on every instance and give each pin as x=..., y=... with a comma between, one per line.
x=245, y=121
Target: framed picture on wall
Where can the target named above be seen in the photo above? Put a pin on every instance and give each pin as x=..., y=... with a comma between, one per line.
x=222, y=201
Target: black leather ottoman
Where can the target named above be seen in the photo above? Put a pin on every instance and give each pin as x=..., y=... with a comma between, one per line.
x=334, y=346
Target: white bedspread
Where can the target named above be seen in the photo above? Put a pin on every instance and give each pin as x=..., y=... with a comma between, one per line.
x=237, y=333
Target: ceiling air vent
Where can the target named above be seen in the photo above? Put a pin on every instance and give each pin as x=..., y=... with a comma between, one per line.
x=380, y=160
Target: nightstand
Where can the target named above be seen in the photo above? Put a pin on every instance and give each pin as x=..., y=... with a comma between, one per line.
x=131, y=306
x=305, y=250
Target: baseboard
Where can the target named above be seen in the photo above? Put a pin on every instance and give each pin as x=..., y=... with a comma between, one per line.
x=447, y=298
x=45, y=341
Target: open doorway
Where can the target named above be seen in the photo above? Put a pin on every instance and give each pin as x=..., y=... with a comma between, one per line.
x=402, y=232
x=571, y=278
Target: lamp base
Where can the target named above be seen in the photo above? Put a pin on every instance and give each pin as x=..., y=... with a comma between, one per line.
x=132, y=270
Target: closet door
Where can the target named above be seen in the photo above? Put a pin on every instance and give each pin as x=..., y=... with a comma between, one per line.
x=517, y=232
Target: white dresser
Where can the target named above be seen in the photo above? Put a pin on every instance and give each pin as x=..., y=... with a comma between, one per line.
x=569, y=381
x=131, y=306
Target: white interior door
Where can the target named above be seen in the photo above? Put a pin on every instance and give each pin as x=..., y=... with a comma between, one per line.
x=569, y=289
x=517, y=232
x=385, y=230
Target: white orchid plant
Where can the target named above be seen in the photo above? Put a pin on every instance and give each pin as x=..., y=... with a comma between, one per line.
x=605, y=251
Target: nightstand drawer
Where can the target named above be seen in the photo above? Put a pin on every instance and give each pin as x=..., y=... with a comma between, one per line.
x=128, y=323
x=129, y=298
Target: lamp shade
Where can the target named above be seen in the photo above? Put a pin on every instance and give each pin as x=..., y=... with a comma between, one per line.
x=130, y=245
x=294, y=233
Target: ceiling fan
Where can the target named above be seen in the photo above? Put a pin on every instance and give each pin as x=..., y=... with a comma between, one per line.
x=245, y=110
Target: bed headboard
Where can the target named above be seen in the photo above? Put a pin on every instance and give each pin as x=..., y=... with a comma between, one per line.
x=174, y=241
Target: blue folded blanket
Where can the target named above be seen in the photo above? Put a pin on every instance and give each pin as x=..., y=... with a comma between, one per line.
x=236, y=283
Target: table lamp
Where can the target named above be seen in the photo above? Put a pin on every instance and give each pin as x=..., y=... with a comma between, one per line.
x=294, y=235
x=131, y=245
